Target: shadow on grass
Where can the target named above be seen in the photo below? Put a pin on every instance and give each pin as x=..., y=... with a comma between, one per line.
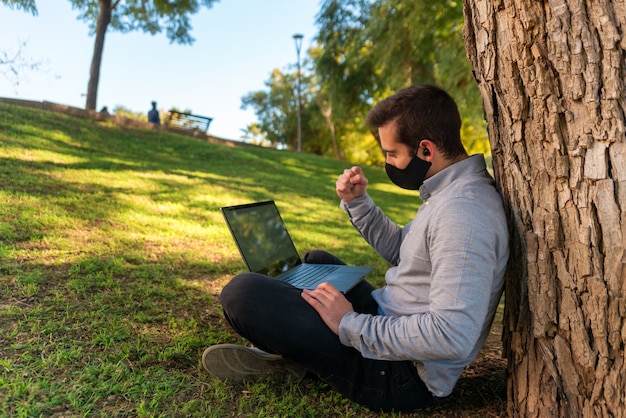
x=106, y=306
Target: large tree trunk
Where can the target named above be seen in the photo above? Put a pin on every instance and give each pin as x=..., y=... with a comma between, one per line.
x=94, y=71
x=551, y=76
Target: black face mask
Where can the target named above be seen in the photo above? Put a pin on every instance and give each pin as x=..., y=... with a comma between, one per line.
x=412, y=177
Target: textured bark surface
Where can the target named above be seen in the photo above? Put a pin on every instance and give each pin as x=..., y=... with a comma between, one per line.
x=551, y=75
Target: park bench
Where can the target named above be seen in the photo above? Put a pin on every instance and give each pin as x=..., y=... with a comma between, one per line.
x=187, y=121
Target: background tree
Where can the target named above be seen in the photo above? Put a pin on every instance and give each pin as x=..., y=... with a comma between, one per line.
x=123, y=111
x=253, y=134
x=364, y=51
x=373, y=48
x=342, y=63
x=276, y=111
x=14, y=62
x=551, y=76
x=128, y=15
x=26, y=5
x=419, y=42
x=347, y=77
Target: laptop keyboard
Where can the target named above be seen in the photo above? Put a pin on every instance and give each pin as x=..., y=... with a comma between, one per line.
x=308, y=274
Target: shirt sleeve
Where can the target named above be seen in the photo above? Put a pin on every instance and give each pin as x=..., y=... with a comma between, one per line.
x=380, y=232
x=463, y=260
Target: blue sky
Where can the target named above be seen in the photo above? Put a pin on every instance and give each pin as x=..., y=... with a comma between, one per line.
x=238, y=44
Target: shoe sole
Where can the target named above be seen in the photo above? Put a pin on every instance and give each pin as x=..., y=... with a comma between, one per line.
x=238, y=364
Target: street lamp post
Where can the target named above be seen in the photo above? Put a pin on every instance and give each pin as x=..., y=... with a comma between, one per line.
x=298, y=40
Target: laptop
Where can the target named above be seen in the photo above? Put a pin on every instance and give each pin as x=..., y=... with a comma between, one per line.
x=266, y=248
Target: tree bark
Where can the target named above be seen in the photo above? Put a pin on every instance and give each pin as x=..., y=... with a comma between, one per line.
x=327, y=113
x=104, y=18
x=551, y=75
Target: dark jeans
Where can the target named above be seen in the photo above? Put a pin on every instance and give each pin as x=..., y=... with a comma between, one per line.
x=273, y=316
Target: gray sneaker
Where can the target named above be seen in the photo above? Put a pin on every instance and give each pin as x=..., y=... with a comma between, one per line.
x=238, y=364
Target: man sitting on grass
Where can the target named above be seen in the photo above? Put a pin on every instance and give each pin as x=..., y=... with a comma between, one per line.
x=403, y=345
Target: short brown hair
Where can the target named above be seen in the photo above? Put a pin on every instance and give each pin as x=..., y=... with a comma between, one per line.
x=421, y=111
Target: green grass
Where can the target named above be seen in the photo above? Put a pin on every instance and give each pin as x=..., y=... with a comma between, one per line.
x=113, y=252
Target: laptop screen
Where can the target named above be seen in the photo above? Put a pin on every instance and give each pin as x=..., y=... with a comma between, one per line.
x=262, y=237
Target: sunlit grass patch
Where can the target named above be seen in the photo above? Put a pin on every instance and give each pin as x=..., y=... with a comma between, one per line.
x=113, y=253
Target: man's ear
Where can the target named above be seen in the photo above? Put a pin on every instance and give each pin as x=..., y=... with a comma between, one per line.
x=425, y=149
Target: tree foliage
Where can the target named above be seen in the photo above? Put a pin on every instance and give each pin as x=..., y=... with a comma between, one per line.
x=366, y=50
x=14, y=62
x=274, y=108
x=123, y=111
x=347, y=73
x=152, y=17
x=124, y=16
x=26, y=5
x=276, y=111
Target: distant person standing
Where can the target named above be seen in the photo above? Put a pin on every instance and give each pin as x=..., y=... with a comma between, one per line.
x=153, y=114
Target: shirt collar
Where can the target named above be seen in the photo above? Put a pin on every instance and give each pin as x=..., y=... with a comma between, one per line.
x=470, y=165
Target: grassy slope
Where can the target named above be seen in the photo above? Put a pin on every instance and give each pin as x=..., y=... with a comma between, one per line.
x=113, y=251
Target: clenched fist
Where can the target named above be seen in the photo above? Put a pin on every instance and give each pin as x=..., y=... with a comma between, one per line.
x=351, y=184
